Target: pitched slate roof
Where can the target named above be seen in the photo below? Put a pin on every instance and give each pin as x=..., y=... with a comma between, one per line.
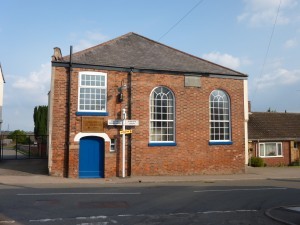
x=274, y=126
x=135, y=51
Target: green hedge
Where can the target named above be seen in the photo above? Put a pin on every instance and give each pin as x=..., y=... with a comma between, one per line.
x=257, y=162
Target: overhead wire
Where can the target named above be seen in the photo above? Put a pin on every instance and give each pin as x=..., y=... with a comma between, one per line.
x=175, y=24
x=181, y=19
x=268, y=49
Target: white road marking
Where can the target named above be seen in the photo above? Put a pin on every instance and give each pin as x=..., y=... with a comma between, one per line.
x=45, y=194
x=297, y=209
x=201, y=212
x=240, y=189
x=93, y=218
x=46, y=220
x=126, y=215
x=90, y=217
x=7, y=221
x=97, y=223
x=78, y=219
x=227, y=211
x=246, y=210
x=137, y=215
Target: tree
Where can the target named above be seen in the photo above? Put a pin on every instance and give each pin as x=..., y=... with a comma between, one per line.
x=271, y=110
x=40, y=117
x=19, y=136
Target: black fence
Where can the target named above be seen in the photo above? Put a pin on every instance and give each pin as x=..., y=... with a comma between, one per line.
x=24, y=147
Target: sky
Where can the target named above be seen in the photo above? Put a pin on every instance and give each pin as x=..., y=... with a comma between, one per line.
x=260, y=38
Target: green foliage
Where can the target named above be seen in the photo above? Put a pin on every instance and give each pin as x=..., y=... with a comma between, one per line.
x=40, y=117
x=15, y=133
x=19, y=136
x=256, y=162
x=295, y=163
x=271, y=110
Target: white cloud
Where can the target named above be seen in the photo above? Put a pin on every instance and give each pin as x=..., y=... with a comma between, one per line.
x=279, y=76
x=291, y=43
x=36, y=82
x=263, y=12
x=90, y=39
x=223, y=59
x=36, y=79
x=22, y=94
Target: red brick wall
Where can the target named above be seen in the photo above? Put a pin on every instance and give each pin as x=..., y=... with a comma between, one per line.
x=59, y=98
x=278, y=161
x=192, y=155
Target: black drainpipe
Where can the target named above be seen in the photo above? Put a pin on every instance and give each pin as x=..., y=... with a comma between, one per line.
x=68, y=114
x=129, y=86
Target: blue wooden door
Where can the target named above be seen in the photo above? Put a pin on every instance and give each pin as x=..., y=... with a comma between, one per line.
x=91, y=157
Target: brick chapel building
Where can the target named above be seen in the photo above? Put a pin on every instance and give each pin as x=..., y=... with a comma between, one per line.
x=184, y=115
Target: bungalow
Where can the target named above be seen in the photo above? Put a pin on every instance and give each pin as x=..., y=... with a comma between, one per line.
x=133, y=106
x=275, y=137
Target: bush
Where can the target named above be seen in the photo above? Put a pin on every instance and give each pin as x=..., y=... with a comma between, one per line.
x=257, y=162
x=20, y=137
x=295, y=163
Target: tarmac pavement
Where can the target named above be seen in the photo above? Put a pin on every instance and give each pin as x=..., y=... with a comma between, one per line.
x=29, y=172
x=19, y=171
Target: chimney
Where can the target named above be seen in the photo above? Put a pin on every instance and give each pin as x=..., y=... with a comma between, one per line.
x=57, y=54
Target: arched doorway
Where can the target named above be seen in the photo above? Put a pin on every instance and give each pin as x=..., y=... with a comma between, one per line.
x=91, y=157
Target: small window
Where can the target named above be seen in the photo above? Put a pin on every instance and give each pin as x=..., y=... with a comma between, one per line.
x=113, y=144
x=295, y=144
x=92, y=92
x=270, y=149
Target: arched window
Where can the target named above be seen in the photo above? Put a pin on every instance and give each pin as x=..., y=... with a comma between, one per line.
x=162, y=115
x=220, y=125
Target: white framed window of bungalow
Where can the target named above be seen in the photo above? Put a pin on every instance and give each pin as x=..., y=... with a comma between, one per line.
x=162, y=117
x=270, y=149
x=92, y=93
x=219, y=118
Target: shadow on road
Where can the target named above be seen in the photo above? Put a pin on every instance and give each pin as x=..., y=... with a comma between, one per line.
x=25, y=167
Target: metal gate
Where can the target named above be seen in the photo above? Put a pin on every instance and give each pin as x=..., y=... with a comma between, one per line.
x=24, y=147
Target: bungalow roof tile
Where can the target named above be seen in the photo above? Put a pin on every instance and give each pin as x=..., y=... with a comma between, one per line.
x=273, y=125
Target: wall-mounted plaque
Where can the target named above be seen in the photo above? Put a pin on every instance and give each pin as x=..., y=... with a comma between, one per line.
x=92, y=124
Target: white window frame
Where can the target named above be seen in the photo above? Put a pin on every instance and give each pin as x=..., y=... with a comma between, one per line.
x=158, y=137
x=113, y=145
x=215, y=118
x=262, y=149
x=103, y=108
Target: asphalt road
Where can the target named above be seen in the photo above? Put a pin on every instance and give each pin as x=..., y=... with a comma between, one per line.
x=213, y=203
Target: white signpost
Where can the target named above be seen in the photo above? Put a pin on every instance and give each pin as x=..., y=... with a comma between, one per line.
x=120, y=122
x=123, y=123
